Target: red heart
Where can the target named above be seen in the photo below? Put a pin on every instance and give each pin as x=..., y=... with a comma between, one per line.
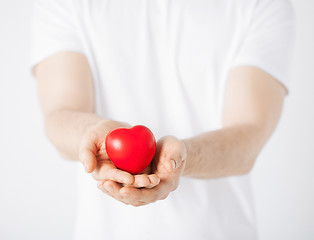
x=131, y=149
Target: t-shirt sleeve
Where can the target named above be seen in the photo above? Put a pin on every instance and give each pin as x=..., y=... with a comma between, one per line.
x=52, y=30
x=269, y=41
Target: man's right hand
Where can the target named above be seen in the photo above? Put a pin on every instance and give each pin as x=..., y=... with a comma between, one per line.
x=95, y=159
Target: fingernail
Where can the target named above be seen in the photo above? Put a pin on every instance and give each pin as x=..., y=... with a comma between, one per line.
x=173, y=163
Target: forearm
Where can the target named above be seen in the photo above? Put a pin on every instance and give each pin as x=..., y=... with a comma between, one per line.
x=65, y=129
x=226, y=152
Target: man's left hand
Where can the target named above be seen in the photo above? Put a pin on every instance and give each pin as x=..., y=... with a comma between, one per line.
x=168, y=164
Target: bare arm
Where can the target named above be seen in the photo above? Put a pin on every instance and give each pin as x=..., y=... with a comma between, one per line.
x=65, y=90
x=253, y=106
x=66, y=95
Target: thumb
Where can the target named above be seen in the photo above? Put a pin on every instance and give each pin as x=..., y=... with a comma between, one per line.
x=173, y=162
x=87, y=154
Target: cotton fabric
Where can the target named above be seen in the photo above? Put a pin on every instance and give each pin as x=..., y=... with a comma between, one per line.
x=164, y=64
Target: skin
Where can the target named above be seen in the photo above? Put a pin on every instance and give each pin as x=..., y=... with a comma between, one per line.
x=252, y=109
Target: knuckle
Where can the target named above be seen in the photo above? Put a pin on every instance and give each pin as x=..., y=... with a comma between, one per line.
x=115, y=175
x=109, y=184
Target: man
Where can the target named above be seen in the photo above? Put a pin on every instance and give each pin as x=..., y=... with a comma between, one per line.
x=208, y=78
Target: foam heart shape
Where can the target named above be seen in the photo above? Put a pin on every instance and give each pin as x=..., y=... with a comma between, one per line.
x=131, y=149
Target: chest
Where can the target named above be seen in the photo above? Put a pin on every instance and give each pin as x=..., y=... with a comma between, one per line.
x=197, y=34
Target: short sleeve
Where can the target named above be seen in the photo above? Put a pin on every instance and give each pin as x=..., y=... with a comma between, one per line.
x=268, y=44
x=52, y=30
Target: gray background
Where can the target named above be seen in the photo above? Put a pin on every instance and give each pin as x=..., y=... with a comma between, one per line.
x=37, y=187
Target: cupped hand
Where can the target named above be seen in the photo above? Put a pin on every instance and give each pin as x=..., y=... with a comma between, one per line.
x=95, y=159
x=107, y=171
x=168, y=164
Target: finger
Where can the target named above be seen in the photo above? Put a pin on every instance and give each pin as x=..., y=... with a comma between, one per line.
x=99, y=183
x=171, y=153
x=154, y=180
x=147, y=195
x=179, y=169
x=87, y=154
x=107, y=189
x=173, y=161
x=113, y=190
x=179, y=158
x=163, y=164
x=108, y=171
x=147, y=181
x=141, y=180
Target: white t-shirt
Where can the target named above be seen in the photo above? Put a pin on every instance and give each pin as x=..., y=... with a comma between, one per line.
x=164, y=64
